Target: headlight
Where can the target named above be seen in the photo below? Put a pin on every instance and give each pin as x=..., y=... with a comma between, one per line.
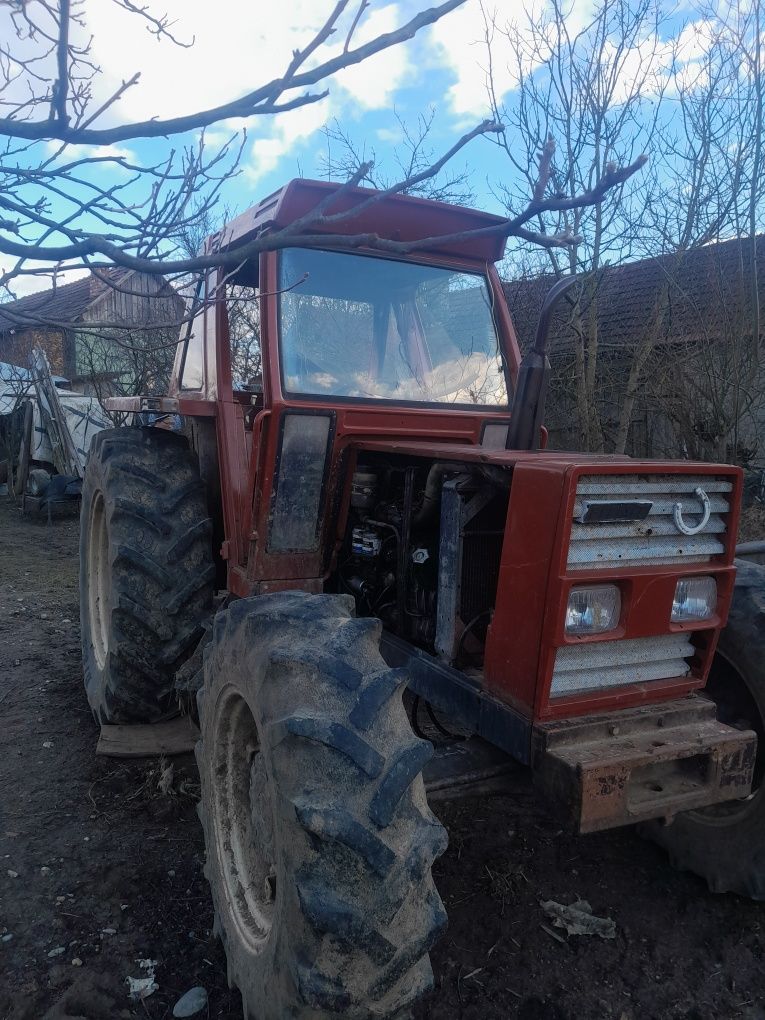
x=695, y=599
x=593, y=610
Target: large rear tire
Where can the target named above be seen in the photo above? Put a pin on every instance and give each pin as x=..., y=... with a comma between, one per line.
x=318, y=833
x=725, y=844
x=146, y=571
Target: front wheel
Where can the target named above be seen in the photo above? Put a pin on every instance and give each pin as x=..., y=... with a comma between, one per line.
x=725, y=844
x=146, y=571
x=318, y=834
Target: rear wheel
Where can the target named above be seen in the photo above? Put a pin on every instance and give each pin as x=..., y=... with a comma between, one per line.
x=146, y=571
x=318, y=834
x=725, y=844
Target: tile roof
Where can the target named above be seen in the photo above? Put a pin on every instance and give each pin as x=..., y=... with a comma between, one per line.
x=707, y=294
x=56, y=307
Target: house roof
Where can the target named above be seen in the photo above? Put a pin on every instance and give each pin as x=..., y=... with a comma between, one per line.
x=707, y=288
x=58, y=306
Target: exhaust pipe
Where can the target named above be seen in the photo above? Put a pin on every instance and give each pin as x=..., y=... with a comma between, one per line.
x=533, y=376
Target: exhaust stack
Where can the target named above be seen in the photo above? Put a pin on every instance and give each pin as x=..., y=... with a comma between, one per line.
x=533, y=376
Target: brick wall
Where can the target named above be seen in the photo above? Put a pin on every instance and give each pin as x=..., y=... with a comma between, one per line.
x=16, y=347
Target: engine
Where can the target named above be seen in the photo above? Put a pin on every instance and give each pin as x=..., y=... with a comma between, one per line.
x=422, y=552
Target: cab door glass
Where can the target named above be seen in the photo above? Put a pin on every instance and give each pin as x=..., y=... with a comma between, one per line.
x=243, y=311
x=193, y=368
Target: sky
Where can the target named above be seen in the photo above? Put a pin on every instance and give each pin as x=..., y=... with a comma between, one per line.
x=441, y=67
x=238, y=44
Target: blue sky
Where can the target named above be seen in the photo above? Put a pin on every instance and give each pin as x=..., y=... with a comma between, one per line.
x=239, y=44
x=244, y=45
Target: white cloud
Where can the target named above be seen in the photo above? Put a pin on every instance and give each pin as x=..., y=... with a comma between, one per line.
x=391, y=136
x=460, y=49
x=240, y=48
x=355, y=91
x=373, y=84
x=215, y=139
x=237, y=47
x=71, y=152
x=461, y=42
x=287, y=132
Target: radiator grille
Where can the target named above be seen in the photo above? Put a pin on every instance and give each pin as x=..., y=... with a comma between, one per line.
x=657, y=539
x=480, y=574
x=603, y=664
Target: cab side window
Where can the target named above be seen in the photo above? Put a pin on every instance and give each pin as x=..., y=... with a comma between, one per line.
x=193, y=368
x=243, y=310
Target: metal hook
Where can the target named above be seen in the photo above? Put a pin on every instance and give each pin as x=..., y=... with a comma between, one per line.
x=693, y=529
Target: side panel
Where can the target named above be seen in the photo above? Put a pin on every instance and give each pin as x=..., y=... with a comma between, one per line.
x=513, y=642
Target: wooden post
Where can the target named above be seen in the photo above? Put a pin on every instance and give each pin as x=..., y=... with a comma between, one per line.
x=20, y=479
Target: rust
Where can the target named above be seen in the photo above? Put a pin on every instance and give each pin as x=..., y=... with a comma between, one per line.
x=655, y=762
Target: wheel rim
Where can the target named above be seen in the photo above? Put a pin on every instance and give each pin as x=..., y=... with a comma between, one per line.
x=243, y=820
x=98, y=580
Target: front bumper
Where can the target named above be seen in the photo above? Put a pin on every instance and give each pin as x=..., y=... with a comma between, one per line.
x=641, y=763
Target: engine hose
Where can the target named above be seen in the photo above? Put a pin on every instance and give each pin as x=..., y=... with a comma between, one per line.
x=455, y=737
x=466, y=631
x=431, y=499
x=442, y=729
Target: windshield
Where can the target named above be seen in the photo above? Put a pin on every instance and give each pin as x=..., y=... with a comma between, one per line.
x=357, y=326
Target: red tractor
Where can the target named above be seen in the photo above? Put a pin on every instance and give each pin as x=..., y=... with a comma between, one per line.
x=373, y=513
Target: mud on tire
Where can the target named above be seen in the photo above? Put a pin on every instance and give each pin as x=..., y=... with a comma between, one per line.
x=146, y=570
x=725, y=844
x=318, y=834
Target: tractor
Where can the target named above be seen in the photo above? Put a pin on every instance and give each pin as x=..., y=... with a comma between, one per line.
x=372, y=520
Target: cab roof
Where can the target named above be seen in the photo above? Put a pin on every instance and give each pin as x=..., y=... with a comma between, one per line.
x=396, y=218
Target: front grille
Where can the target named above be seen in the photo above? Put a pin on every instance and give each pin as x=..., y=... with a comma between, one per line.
x=657, y=539
x=602, y=664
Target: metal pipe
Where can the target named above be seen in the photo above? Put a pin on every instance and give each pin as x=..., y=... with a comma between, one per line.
x=750, y=549
x=548, y=307
x=403, y=549
x=533, y=375
x=431, y=499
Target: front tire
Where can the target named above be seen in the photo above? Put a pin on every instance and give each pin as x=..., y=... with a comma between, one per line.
x=318, y=834
x=725, y=844
x=146, y=571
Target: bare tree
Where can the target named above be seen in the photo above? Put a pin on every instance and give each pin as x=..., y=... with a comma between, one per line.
x=741, y=41
x=410, y=157
x=607, y=88
x=583, y=86
x=694, y=394
x=126, y=362
x=703, y=365
x=47, y=80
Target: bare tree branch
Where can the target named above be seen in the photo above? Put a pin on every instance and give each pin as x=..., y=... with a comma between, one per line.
x=258, y=102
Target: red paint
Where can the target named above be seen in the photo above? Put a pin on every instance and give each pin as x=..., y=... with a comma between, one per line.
x=402, y=218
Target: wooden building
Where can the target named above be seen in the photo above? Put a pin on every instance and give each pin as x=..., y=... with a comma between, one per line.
x=73, y=323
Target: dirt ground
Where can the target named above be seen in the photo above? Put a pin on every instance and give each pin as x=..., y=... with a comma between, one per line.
x=101, y=869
